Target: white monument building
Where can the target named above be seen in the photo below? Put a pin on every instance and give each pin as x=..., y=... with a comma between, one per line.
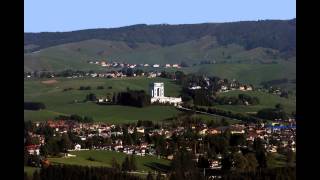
x=157, y=95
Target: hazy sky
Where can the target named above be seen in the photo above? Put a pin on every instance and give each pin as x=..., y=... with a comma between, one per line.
x=68, y=15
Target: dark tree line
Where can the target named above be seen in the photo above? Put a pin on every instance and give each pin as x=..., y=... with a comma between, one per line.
x=273, y=113
x=240, y=100
x=138, y=98
x=67, y=172
x=288, y=173
x=221, y=112
x=75, y=117
x=276, y=34
x=34, y=106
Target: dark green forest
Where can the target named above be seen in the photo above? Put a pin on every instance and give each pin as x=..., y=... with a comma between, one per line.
x=275, y=34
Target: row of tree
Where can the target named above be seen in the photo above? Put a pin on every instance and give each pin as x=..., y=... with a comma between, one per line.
x=242, y=99
x=65, y=172
x=75, y=117
x=212, y=110
x=138, y=98
x=34, y=106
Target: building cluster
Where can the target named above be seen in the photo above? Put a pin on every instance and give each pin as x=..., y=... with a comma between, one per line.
x=115, y=64
x=276, y=136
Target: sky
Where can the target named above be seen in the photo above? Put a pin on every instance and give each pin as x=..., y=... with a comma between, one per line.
x=69, y=15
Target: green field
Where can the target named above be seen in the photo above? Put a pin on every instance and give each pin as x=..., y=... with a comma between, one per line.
x=58, y=102
x=276, y=160
x=266, y=101
x=30, y=170
x=103, y=158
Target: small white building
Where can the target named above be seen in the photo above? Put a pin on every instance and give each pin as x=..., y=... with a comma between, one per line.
x=156, y=65
x=195, y=87
x=77, y=147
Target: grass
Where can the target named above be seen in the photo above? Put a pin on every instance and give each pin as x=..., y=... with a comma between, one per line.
x=266, y=101
x=276, y=160
x=103, y=158
x=30, y=170
x=58, y=102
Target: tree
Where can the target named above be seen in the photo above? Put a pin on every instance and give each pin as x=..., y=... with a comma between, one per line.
x=133, y=163
x=65, y=143
x=36, y=175
x=26, y=177
x=290, y=157
x=203, y=162
x=252, y=162
x=91, y=97
x=44, y=151
x=149, y=176
x=279, y=107
x=226, y=163
x=126, y=164
x=100, y=87
x=159, y=177
x=240, y=162
x=115, y=164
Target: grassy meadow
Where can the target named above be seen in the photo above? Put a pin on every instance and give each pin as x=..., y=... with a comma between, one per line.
x=59, y=102
x=103, y=158
x=266, y=101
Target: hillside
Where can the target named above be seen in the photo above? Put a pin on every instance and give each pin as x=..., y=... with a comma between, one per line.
x=275, y=34
x=251, y=51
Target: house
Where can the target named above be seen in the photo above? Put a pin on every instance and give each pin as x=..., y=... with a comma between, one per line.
x=33, y=149
x=94, y=75
x=241, y=88
x=215, y=164
x=203, y=131
x=237, y=130
x=223, y=88
x=156, y=65
x=146, y=65
x=175, y=65
x=194, y=87
x=140, y=129
x=77, y=147
x=213, y=131
x=249, y=88
x=168, y=65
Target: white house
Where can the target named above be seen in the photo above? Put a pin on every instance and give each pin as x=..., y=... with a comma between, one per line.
x=195, y=87
x=175, y=65
x=156, y=65
x=77, y=147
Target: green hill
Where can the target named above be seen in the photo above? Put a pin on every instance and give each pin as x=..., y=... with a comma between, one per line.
x=250, y=51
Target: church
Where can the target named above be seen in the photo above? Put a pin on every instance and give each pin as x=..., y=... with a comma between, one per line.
x=157, y=95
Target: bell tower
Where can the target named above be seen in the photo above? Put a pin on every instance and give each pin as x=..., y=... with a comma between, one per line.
x=156, y=89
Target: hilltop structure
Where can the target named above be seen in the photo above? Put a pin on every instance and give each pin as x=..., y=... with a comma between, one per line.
x=157, y=95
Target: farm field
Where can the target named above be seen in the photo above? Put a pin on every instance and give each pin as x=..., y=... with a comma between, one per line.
x=103, y=158
x=266, y=101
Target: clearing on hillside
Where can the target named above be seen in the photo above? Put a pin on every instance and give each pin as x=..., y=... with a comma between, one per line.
x=53, y=81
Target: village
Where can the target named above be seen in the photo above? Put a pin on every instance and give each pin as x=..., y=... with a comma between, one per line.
x=277, y=135
x=115, y=64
